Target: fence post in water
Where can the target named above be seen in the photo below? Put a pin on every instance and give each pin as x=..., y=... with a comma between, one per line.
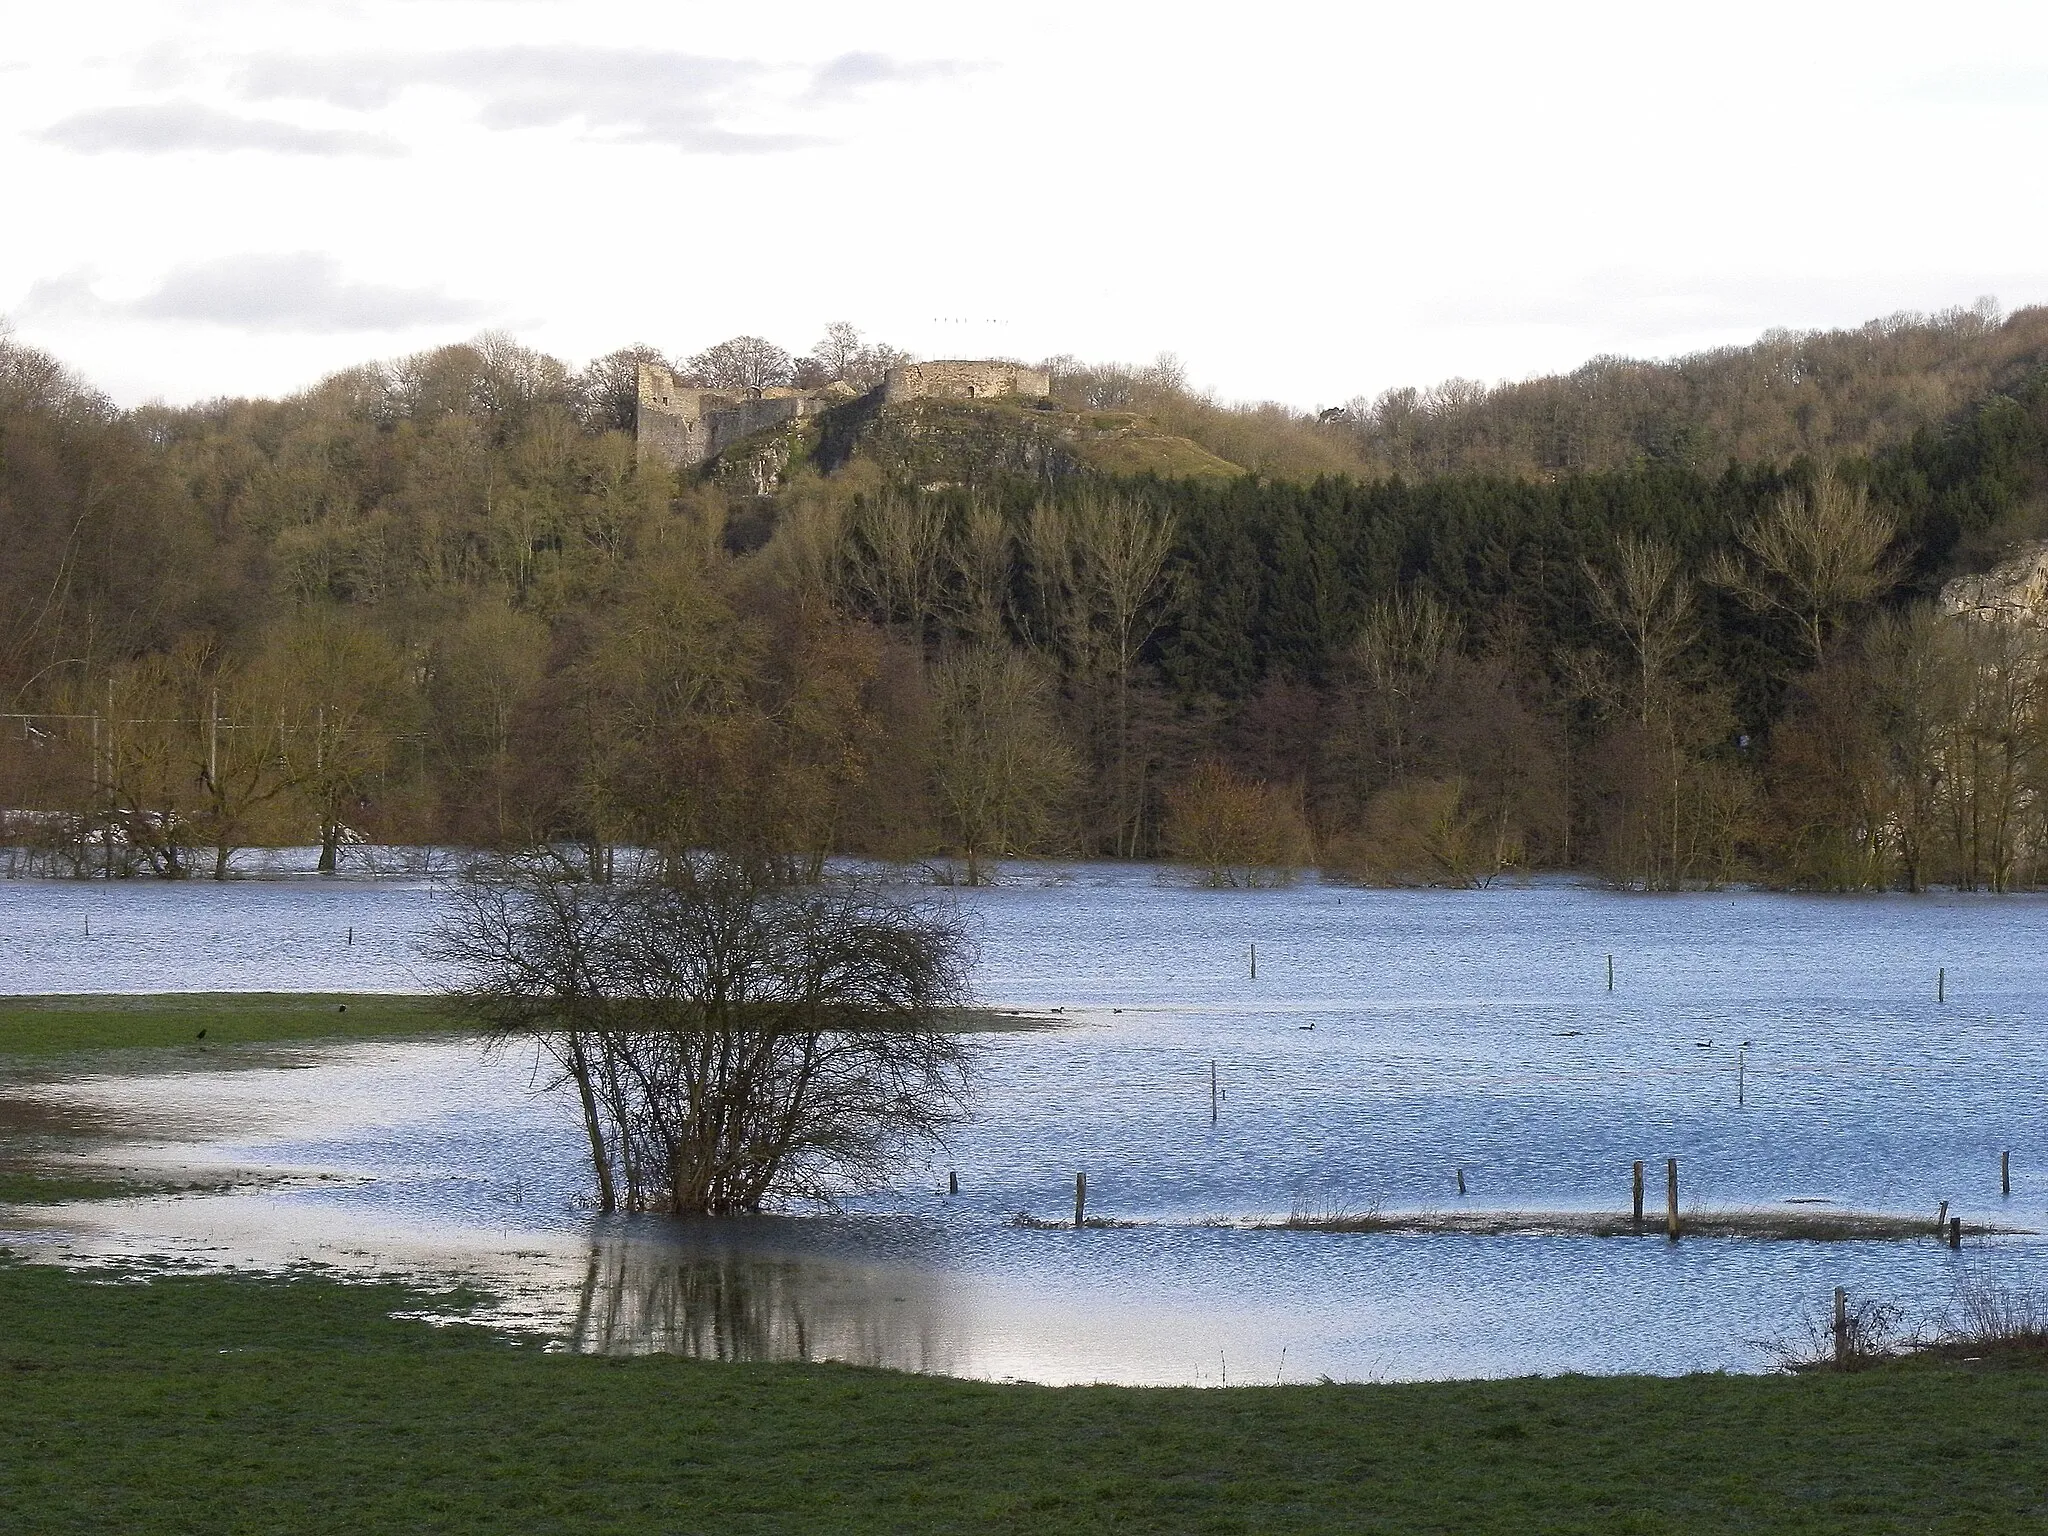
x=1941, y=985
x=1461, y=1181
x=1671, y=1198
x=1255, y=962
x=1212, y=1093
x=2005, y=1173
x=1955, y=1231
x=351, y=934
x=1639, y=1195
x=953, y=1182
x=1941, y=1222
x=1080, y=1200
x=1610, y=973
x=1841, y=1326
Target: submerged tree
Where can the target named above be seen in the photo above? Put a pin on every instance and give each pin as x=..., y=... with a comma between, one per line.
x=1000, y=768
x=1237, y=831
x=731, y=1040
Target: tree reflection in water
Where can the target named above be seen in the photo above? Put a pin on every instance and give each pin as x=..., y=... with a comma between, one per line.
x=726, y=1303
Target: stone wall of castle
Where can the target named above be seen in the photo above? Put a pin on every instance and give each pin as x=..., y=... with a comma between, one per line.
x=961, y=380
x=680, y=425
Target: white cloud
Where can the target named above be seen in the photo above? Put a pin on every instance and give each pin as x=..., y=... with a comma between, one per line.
x=168, y=127
x=634, y=95
x=68, y=297
x=299, y=291
x=851, y=73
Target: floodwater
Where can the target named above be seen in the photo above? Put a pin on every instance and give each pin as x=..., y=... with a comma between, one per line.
x=1389, y=1040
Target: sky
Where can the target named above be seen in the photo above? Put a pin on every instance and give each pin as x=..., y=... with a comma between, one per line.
x=1304, y=202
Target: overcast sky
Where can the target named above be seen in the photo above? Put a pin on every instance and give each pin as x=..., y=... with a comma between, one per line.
x=1306, y=202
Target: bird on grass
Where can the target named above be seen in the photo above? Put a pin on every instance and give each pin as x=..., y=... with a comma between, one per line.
x=200, y=1036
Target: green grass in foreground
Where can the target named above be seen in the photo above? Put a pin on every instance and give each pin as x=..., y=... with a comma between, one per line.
x=43, y=1026
x=39, y=1187
x=206, y=1404
x=38, y=1026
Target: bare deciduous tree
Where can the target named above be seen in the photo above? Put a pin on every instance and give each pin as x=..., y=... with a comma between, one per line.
x=897, y=565
x=732, y=1041
x=742, y=362
x=1431, y=832
x=981, y=560
x=352, y=696
x=838, y=352
x=1650, y=600
x=1237, y=831
x=1400, y=654
x=1099, y=567
x=1916, y=682
x=1816, y=556
x=1000, y=766
x=606, y=393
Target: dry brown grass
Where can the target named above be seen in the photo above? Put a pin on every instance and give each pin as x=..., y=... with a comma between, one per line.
x=1755, y=1223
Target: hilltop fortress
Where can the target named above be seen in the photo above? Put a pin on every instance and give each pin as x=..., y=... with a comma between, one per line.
x=963, y=381
x=682, y=426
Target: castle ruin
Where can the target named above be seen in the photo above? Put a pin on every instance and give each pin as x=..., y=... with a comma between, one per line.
x=681, y=426
x=957, y=380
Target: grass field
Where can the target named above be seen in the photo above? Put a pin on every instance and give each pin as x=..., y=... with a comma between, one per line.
x=44, y=1026
x=41, y=1026
x=215, y=1404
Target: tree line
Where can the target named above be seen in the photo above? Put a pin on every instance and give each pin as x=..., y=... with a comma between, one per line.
x=440, y=601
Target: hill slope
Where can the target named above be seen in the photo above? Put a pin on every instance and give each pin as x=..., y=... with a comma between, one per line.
x=1822, y=394
x=935, y=443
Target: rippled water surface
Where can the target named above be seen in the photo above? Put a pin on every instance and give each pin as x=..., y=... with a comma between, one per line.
x=1390, y=1039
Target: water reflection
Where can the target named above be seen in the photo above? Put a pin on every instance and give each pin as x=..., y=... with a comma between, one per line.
x=724, y=1300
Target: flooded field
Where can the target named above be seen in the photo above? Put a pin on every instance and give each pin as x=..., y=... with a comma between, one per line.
x=1390, y=1040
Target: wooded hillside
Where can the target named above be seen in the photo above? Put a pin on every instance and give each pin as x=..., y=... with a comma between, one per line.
x=1668, y=621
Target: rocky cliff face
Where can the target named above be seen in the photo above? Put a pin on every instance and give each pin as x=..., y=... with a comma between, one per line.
x=2015, y=589
x=938, y=442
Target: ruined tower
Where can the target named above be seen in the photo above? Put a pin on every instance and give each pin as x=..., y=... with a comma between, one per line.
x=961, y=380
